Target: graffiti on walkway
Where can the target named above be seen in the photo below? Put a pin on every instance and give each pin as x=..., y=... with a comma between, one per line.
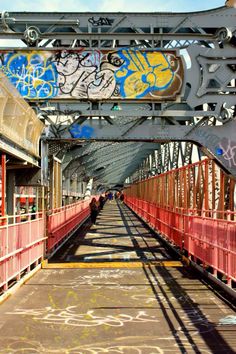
x=94, y=74
x=193, y=319
x=161, y=299
x=23, y=345
x=70, y=317
x=107, y=274
x=107, y=285
x=108, y=278
x=17, y=346
x=228, y=320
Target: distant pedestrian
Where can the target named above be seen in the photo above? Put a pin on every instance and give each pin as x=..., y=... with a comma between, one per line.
x=33, y=211
x=122, y=197
x=93, y=210
x=101, y=202
x=117, y=195
x=110, y=196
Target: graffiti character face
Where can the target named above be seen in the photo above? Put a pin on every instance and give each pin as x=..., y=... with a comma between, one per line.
x=66, y=63
x=90, y=59
x=115, y=59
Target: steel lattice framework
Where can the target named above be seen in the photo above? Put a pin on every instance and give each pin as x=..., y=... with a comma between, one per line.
x=111, y=139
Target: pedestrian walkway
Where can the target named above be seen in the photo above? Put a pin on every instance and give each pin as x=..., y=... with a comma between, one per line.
x=118, y=236
x=120, y=308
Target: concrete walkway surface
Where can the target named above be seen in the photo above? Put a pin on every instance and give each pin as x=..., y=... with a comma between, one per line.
x=118, y=309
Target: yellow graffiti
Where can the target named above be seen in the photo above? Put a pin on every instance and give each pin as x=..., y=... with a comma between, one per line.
x=143, y=72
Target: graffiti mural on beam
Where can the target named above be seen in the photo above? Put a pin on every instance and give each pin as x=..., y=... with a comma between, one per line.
x=82, y=74
x=32, y=73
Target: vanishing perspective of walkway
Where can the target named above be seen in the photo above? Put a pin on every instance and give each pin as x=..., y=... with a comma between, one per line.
x=124, y=293
x=118, y=236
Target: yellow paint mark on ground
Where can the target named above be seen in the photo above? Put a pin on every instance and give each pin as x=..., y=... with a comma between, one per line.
x=137, y=264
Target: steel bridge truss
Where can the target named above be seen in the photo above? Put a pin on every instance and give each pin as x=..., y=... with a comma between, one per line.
x=113, y=139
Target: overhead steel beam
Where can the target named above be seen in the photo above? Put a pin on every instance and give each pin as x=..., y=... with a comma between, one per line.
x=218, y=141
x=93, y=167
x=116, y=151
x=103, y=158
x=119, y=177
x=114, y=36
x=16, y=21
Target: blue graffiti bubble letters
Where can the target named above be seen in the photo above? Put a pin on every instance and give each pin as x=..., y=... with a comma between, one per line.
x=33, y=74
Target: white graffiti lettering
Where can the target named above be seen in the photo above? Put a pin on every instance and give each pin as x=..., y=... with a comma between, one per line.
x=69, y=316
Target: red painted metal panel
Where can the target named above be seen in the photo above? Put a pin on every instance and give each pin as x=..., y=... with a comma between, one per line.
x=209, y=240
x=213, y=241
x=21, y=244
x=194, y=208
x=3, y=183
x=62, y=221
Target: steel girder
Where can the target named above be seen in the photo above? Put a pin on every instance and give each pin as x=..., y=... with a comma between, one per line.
x=85, y=149
x=216, y=141
x=115, y=156
x=37, y=29
x=117, y=173
x=124, y=154
x=208, y=88
x=109, y=152
x=94, y=159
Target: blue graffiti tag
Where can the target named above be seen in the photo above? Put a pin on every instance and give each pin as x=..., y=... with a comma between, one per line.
x=79, y=132
x=143, y=72
x=32, y=74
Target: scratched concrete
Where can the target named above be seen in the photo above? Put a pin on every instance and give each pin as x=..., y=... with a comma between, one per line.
x=141, y=310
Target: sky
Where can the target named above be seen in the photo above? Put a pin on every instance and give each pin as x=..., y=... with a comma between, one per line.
x=109, y=5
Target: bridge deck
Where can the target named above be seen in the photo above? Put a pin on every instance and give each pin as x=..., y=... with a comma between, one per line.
x=118, y=236
x=150, y=308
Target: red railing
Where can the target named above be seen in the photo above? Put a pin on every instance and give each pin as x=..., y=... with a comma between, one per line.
x=21, y=245
x=22, y=238
x=213, y=241
x=62, y=221
x=209, y=238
